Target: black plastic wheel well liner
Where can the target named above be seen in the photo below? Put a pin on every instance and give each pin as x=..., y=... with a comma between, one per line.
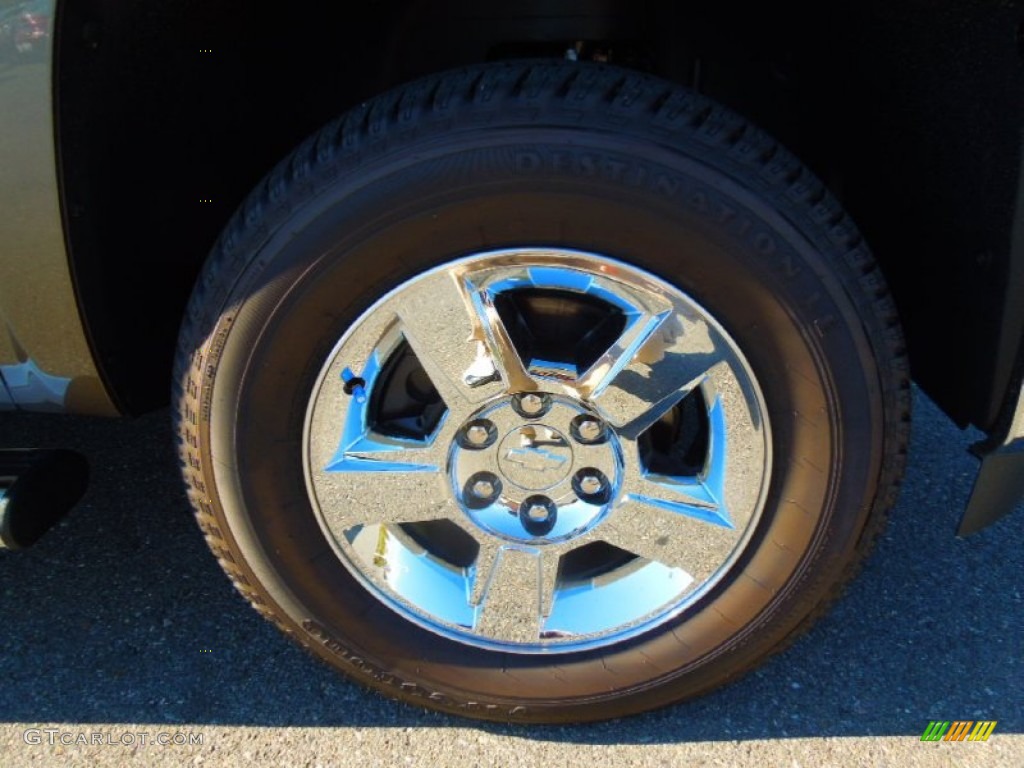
x=169, y=113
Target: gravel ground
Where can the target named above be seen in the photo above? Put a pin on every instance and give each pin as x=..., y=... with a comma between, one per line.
x=119, y=622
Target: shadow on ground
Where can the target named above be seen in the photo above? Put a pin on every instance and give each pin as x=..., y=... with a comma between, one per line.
x=110, y=617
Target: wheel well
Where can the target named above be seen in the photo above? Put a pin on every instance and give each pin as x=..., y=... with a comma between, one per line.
x=170, y=111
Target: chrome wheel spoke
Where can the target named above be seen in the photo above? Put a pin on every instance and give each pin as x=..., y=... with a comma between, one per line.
x=702, y=496
x=460, y=340
x=638, y=333
x=654, y=372
x=689, y=497
x=673, y=533
x=374, y=488
x=370, y=454
x=386, y=480
x=513, y=589
x=506, y=357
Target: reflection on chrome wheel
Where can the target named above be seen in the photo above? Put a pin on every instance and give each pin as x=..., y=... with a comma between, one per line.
x=547, y=449
x=541, y=392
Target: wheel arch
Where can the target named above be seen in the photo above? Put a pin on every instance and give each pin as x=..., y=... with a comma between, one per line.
x=169, y=113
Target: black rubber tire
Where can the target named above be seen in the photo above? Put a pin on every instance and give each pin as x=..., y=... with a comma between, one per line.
x=553, y=154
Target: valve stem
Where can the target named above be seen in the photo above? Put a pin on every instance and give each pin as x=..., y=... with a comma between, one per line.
x=354, y=386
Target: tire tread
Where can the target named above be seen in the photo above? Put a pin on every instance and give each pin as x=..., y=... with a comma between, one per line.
x=639, y=101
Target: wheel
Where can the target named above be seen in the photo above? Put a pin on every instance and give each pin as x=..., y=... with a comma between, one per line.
x=541, y=391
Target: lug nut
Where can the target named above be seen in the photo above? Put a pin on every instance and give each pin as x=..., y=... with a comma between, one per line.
x=538, y=513
x=531, y=404
x=591, y=485
x=478, y=434
x=483, y=489
x=587, y=429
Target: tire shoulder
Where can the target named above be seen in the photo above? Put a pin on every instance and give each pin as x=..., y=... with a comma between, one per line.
x=633, y=102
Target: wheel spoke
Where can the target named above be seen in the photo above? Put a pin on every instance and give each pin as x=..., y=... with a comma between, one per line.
x=687, y=496
x=375, y=493
x=681, y=522
x=648, y=374
x=638, y=332
x=513, y=588
x=372, y=478
x=372, y=454
x=506, y=358
x=701, y=496
x=460, y=340
x=675, y=533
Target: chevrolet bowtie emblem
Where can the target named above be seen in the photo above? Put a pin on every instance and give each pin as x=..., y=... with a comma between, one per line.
x=535, y=459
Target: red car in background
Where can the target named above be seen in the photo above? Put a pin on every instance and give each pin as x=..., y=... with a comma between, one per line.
x=24, y=30
x=30, y=30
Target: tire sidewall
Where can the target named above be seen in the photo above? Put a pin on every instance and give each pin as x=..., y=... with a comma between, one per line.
x=760, y=266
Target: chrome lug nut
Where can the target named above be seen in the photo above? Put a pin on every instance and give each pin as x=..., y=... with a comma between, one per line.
x=531, y=404
x=483, y=489
x=591, y=484
x=477, y=435
x=538, y=515
x=588, y=430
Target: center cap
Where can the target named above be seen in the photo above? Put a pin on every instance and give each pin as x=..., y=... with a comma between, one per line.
x=538, y=479
x=535, y=457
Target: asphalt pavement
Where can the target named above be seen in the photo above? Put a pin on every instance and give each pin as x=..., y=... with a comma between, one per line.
x=118, y=628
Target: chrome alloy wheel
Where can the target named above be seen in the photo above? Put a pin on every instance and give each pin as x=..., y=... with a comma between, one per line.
x=537, y=450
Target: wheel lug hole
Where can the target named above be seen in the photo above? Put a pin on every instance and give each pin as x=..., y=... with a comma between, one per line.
x=588, y=430
x=481, y=490
x=531, y=405
x=592, y=486
x=538, y=515
x=477, y=435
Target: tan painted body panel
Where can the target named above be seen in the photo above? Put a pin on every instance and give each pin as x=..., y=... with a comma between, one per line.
x=45, y=358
